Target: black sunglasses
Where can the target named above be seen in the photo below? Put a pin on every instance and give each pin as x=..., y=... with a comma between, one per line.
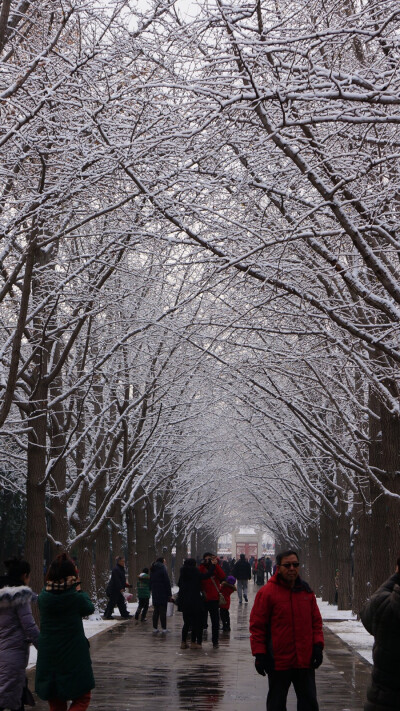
x=290, y=565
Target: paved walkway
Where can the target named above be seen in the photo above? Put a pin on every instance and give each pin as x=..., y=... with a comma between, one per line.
x=138, y=671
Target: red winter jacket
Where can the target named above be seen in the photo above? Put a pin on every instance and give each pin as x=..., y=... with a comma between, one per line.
x=211, y=592
x=287, y=622
x=227, y=589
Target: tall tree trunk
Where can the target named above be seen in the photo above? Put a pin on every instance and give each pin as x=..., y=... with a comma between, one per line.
x=133, y=572
x=362, y=552
x=328, y=556
x=344, y=560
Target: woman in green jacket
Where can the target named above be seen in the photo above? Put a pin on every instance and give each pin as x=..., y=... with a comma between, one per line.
x=64, y=668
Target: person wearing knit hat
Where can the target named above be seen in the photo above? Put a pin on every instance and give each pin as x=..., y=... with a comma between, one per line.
x=228, y=586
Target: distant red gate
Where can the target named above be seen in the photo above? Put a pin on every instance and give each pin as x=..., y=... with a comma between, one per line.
x=249, y=549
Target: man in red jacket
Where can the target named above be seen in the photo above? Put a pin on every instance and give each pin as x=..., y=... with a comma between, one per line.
x=286, y=635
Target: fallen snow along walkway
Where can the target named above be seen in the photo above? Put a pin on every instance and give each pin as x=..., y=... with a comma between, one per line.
x=345, y=625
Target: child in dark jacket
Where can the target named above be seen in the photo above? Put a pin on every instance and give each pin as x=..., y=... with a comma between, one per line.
x=227, y=588
x=143, y=594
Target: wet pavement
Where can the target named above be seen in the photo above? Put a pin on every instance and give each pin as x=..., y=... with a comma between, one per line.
x=138, y=671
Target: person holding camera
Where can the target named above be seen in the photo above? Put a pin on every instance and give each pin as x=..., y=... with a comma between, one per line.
x=211, y=588
x=286, y=635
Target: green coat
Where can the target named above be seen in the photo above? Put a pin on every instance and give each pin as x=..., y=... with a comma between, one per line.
x=63, y=669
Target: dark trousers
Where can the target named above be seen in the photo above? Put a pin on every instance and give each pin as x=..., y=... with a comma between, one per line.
x=225, y=619
x=143, y=606
x=160, y=611
x=116, y=600
x=212, y=607
x=193, y=620
x=303, y=681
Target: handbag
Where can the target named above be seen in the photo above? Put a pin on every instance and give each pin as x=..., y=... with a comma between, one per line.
x=170, y=609
x=221, y=599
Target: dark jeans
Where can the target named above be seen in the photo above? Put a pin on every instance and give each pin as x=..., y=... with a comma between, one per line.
x=116, y=599
x=143, y=606
x=160, y=611
x=193, y=620
x=303, y=681
x=212, y=607
x=225, y=619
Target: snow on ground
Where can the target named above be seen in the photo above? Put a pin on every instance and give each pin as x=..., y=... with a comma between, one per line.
x=345, y=625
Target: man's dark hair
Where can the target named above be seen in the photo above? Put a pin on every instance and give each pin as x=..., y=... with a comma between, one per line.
x=145, y=570
x=62, y=567
x=16, y=568
x=206, y=554
x=285, y=554
x=119, y=557
x=160, y=560
x=242, y=556
x=190, y=563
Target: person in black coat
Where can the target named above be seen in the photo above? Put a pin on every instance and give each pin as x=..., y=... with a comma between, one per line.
x=268, y=567
x=160, y=588
x=242, y=573
x=114, y=590
x=381, y=617
x=191, y=602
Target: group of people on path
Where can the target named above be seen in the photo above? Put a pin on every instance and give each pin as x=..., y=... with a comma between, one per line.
x=154, y=582
x=285, y=630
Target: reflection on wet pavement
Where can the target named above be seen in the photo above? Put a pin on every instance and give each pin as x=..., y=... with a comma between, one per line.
x=136, y=670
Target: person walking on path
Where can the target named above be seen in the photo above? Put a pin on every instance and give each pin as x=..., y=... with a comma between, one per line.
x=17, y=631
x=381, y=618
x=160, y=588
x=115, y=589
x=268, y=567
x=228, y=586
x=242, y=572
x=260, y=575
x=211, y=589
x=224, y=565
x=64, y=668
x=286, y=635
x=143, y=594
x=191, y=602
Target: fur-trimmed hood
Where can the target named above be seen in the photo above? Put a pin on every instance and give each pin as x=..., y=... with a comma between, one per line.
x=12, y=596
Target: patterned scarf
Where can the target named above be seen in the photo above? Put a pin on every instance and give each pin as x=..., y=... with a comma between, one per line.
x=60, y=585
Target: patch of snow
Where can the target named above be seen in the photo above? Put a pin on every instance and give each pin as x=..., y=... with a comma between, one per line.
x=345, y=625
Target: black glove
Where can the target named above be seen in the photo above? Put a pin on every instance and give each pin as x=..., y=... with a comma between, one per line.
x=264, y=664
x=317, y=656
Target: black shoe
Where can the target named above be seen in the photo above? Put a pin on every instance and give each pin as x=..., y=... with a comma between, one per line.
x=215, y=645
x=108, y=618
x=126, y=617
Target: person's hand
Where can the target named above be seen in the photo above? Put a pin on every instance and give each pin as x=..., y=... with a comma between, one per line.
x=264, y=664
x=317, y=656
x=214, y=560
